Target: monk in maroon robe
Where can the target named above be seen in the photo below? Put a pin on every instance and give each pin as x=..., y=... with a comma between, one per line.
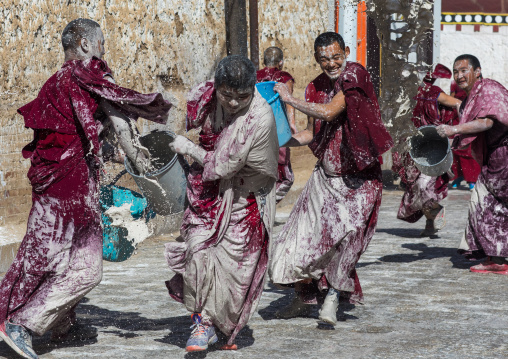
x=423, y=193
x=274, y=62
x=464, y=166
x=484, y=126
x=335, y=217
x=60, y=258
x=221, y=264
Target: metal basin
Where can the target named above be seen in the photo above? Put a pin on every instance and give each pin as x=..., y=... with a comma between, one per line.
x=430, y=152
x=165, y=187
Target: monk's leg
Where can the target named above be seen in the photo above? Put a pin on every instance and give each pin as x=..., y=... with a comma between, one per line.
x=54, y=300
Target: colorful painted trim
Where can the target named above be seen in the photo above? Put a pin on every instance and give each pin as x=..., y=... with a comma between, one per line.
x=473, y=18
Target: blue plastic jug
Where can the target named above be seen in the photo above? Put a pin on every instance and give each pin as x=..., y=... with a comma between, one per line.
x=279, y=110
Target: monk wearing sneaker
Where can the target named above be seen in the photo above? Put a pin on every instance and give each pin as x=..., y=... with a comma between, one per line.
x=60, y=258
x=221, y=264
x=335, y=216
x=484, y=126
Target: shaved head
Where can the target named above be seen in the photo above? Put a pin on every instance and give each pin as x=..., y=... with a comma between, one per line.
x=273, y=56
x=77, y=30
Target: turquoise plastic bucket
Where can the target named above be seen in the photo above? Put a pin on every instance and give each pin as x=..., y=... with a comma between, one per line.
x=279, y=110
x=116, y=246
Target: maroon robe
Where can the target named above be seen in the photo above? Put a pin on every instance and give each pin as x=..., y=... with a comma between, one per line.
x=486, y=231
x=421, y=190
x=286, y=175
x=335, y=217
x=464, y=164
x=60, y=257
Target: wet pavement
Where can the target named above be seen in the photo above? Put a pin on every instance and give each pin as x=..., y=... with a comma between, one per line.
x=420, y=302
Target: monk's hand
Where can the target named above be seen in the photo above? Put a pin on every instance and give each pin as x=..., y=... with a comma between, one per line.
x=446, y=130
x=282, y=90
x=183, y=146
x=141, y=159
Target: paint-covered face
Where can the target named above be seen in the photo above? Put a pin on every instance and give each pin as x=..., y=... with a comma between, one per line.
x=464, y=75
x=234, y=100
x=332, y=59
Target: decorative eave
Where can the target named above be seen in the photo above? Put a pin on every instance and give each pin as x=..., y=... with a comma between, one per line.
x=474, y=18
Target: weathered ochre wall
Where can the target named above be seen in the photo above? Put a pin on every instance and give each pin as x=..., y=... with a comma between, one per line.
x=151, y=45
x=293, y=26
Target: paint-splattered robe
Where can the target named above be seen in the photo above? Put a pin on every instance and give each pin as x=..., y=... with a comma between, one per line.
x=486, y=231
x=60, y=257
x=421, y=190
x=464, y=164
x=335, y=216
x=220, y=268
x=286, y=176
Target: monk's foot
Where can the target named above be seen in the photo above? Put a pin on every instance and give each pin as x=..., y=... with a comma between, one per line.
x=328, y=311
x=496, y=265
x=429, y=230
x=18, y=338
x=297, y=308
x=439, y=217
x=202, y=335
x=229, y=347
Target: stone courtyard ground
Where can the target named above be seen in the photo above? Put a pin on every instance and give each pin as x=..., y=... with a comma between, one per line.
x=420, y=302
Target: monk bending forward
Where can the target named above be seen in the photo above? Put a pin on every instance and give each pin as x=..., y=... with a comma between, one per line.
x=60, y=257
x=484, y=126
x=335, y=217
x=222, y=262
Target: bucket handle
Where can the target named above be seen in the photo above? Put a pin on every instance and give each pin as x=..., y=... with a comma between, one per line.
x=117, y=177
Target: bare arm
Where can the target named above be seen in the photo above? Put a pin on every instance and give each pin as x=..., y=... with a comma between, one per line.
x=138, y=155
x=326, y=112
x=302, y=138
x=476, y=126
x=449, y=101
x=290, y=109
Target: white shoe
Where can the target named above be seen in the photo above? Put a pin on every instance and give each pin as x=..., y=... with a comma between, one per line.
x=328, y=311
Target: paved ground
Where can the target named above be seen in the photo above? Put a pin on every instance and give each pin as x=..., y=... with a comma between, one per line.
x=421, y=302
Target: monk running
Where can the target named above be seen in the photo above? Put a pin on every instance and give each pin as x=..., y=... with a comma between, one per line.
x=220, y=267
x=274, y=63
x=335, y=217
x=423, y=193
x=484, y=126
x=60, y=258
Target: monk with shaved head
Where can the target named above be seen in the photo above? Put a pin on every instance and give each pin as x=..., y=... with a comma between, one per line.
x=274, y=63
x=60, y=258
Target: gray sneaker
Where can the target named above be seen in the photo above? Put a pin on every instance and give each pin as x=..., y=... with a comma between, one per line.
x=18, y=338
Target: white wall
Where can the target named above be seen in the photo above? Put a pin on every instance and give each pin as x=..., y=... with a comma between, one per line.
x=490, y=47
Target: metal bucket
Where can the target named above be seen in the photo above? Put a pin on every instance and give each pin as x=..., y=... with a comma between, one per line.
x=430, y=152
x=167, y=195
x=279, y=110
